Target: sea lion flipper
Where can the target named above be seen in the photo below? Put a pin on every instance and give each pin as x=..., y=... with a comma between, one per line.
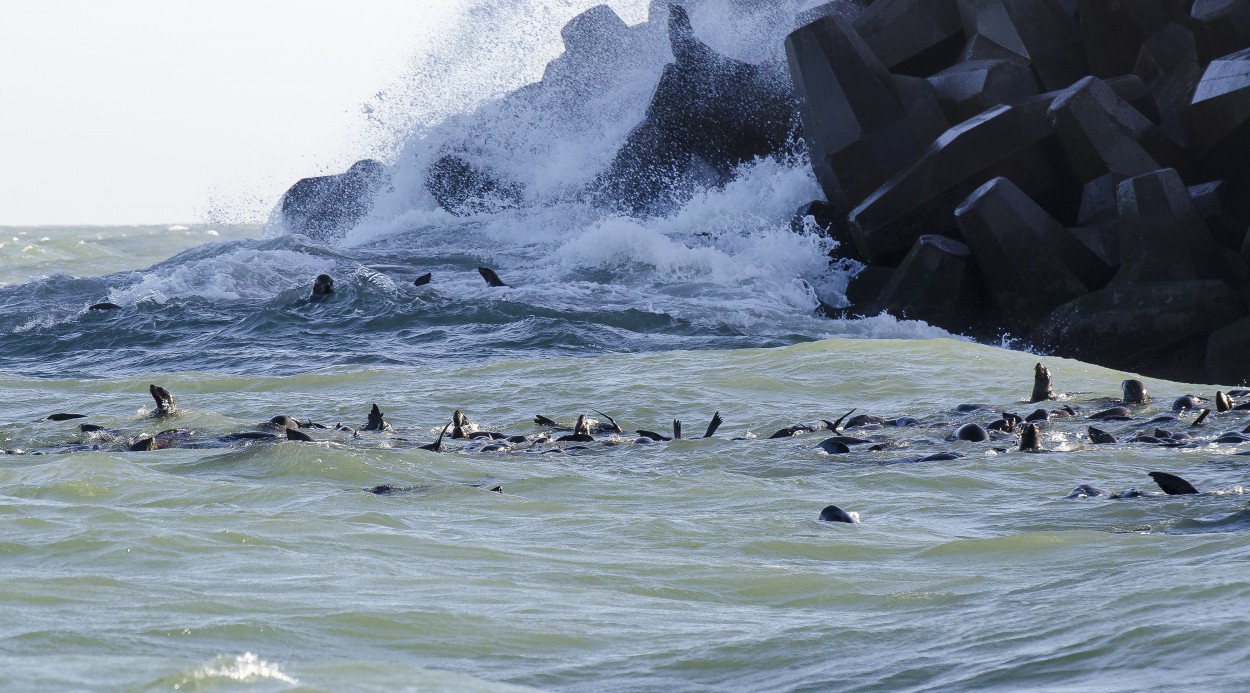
x=676, y=429
x=834, y=427
x=437, y=445
x=1173, y=485
x=713, y=425
x=295, y=434
x=544, y=421
x=616, y=428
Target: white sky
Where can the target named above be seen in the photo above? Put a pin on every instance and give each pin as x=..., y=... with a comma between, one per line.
x=134, y=111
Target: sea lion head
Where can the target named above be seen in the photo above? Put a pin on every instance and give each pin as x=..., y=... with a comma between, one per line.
x=323, y=286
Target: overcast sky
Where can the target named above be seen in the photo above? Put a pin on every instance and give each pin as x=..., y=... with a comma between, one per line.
x=146, y=111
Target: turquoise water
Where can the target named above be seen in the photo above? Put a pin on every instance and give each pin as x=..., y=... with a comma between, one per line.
x=683, y=565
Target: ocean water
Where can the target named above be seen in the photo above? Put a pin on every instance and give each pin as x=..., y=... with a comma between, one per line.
x=697, y=564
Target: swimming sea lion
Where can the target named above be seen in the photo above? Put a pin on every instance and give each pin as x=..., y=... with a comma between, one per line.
x=104, y=306
x=974, y=433
x=323, y=286
x=1038, y=415
x=610, y=427
x=1186, y=402
x=1041, y=384
x=833, y=513
x=833, y=446
x=423, y=279
x=833, y=426
x=1112, y=414
x=164, y=401
x=90, y=428
x=1031, y=438
x=1007, y=423
x=1100, y=437
x=580, y=434
x=459, y=422
x=1135, y=392
x=1223, y=402
x=491, y=278
x=64, y=417
x=147, y=444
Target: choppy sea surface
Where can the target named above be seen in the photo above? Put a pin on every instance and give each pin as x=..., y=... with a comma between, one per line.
x=694, y=564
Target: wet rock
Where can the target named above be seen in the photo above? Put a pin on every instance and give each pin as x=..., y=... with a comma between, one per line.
x=856, y=128
x=1112, y=31
x=322, y=206
x=1221, y=27
x=822, y=218
x=1103, y=240
x=1159, y=328
x=864, y=289
x=1098, y=201
x=1013, y=142
x=709, y=114
x=464, y=189
x=1218, y=120
x=1226, y=353
x=971, y=87
x=1168, y=64
x=913, y=37
x=1132, y=89
x=1040, y=31
x=1030, y=262
x=934, y=283
x=1101, y=133
x=1162, y=237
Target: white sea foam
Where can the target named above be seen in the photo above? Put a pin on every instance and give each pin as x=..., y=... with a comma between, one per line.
x=244, y=668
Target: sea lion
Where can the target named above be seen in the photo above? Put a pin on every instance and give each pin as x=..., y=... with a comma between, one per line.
x=833, y=426
x=790, y=432
x=1186, y=402
x=64, y=417
x=580, y=434
x=1031, y=438
x=104, y=306
x=610, y=427
x=1135, y=392
x=459, y=424
x=974, y=433
x=423, y=279
x=941, y=457
x=1041, y=384
x=1038, y=415
x=1202, y=416
x=1100, y=437
x=1006, y=424
x=491, y=278
x=323, y=286
x=145, y=444
x=1112, y=414
x=282, y=421
x=164, y=401
x=90, y=428
x=375, y=422
x=833, y=446
x=833, y=513
x=1223, y=402
x=864, y=420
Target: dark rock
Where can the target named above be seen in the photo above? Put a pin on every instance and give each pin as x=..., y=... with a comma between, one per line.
x=1218, y=120
x=1103, y=240
x=1113, y=30
x=1159, y=328
x=913, y=37
x=826, y=220
x=935, y=283
x=1226, y=353
x=864, y=289
x=1225, y=207
x=1009, y=141
x=463, y=189
x=709, y=114
x=1132, y=89
x=1098, y=201
x=1039, y=31
x=857, y=131
x=1168, y=64
x=1102, y=133
x=972, y=87
x=1030, y=262
x=325, y=205
x=1221, y=26
x=1162, y=237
